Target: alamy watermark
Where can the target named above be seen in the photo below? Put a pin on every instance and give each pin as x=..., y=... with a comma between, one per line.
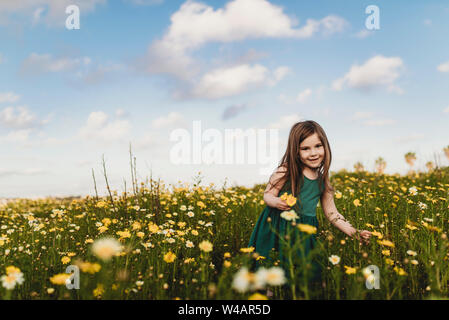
x=372, y=22
x=73, y=20
x=372, y=277
x=212, y=146
x=73, y=282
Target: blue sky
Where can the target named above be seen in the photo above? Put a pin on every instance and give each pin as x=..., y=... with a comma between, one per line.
x=138, y=69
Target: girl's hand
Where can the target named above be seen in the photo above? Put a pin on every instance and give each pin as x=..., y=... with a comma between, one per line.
x=364, y=235
x=281, y=204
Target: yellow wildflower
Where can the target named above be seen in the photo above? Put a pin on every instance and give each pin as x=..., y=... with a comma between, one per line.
x=386, y=243
x=153, y=228
x=205, y=246
x=350, y=270
x=59, y=278
x=98, y=291
x=257, y=296
x=65, y=260
x=307, y=228
x=169, y=257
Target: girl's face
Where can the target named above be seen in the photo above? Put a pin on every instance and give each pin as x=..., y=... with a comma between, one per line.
x=311, y=151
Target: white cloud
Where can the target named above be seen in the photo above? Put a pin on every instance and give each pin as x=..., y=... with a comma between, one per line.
x=43, y=63
x=285, y=122
x=21, y=172
x=19, y=118
x=237, y=21
x=16, y=136
x=367, y=118
x=379, y=122
x=100, y=127
x=170, y=120
x=145, y=2
x=377, y=71
x=225, y=82
x=10, y=97
x=361, y=115
x=409, y=138
x=303, y=96
x=364, y=33
x=100, y=72
x=54, y=10
x=444, y=67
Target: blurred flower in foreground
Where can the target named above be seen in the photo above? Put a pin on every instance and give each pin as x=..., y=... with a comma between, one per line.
x=13, y=276
x=245, y=280
x=106, y=248
x=289, y=215
x=257, y=296
x=307, y=228
x=205, y=246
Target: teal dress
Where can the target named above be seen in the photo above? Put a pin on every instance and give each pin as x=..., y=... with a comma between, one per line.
x=264, y=240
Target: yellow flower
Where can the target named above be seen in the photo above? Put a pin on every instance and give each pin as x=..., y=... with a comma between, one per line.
x=194, y=232
x=169, y=257
x=357, y=202
x=389, y=261
x=99, y=290
x=124, y=234
x=136, y=225
x=102, y=229
x=227, y=263
x=60, y=278
x=291, y=200
x=257, y=296
x=201, y=204
x=247, y=250
x=227, y=255
x=350, y=270
x=410, y=227
x=50, y=290
x=400, y=271
x=12, y=269
x=101, y=204
x=89, y=267
x=284, y=196
x=205, y=246
x=307, y=228
x=386, y=252
x=338, y=195
x=65, y=260
x=377, y=234
x=140, y=234
x=386, y=243
x=153, y=228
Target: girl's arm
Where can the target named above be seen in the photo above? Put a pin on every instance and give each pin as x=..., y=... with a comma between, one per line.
x=332, y=214
x=271, y=193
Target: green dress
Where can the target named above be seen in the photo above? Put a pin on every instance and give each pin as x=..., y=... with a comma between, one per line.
x=264, y=240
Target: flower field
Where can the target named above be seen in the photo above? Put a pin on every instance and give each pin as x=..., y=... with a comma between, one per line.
x=190, y=242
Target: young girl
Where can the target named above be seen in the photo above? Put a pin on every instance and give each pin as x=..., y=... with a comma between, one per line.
x=304, y=173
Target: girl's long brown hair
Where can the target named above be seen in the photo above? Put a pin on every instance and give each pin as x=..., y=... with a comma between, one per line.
x=292, y=160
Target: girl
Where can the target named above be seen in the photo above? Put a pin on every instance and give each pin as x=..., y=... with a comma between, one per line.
x=304, y=173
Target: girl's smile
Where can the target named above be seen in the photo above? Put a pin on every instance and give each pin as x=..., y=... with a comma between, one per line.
x=312, y=151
